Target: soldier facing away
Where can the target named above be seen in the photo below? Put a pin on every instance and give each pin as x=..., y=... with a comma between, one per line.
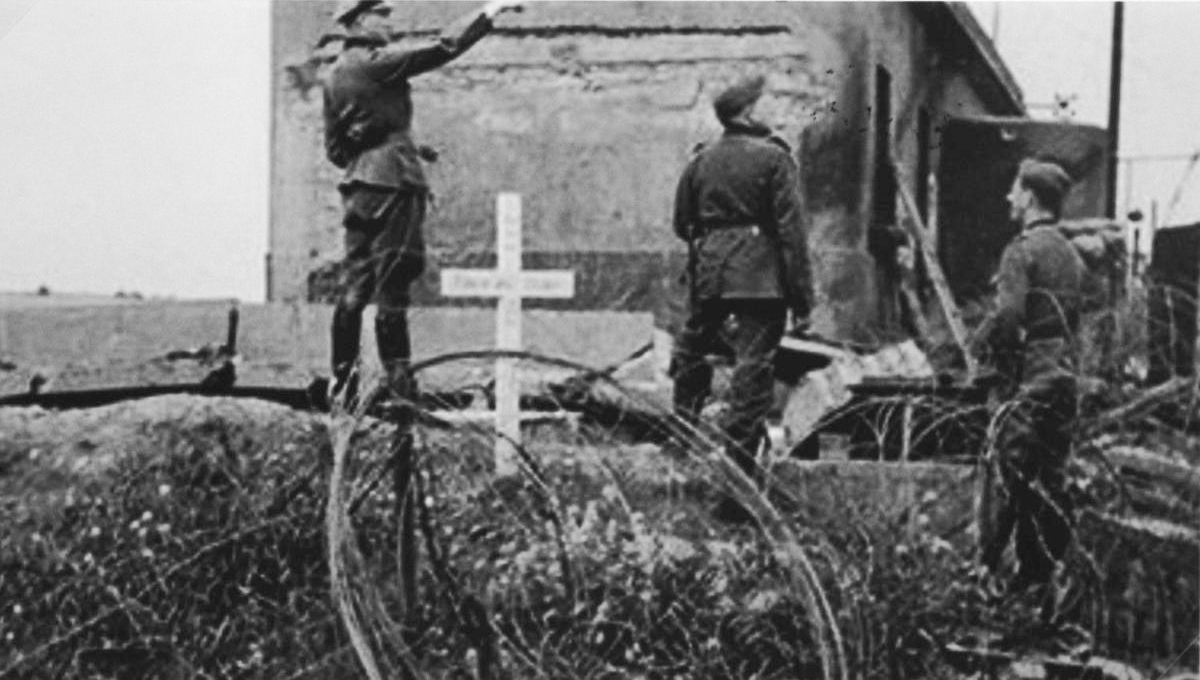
x=738, y=206
x=368, y=115
x=1030, y=338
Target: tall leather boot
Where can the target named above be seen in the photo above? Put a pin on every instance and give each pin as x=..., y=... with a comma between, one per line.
x=692, y=383
x=346, y=331
x=395, y=353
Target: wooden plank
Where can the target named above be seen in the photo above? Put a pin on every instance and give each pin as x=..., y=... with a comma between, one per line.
x=490, y=283
x=916, y=228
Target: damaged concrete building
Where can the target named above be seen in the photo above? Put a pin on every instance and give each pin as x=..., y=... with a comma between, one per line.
x=590, y=111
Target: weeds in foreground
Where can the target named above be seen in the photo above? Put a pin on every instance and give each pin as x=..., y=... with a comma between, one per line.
x=204, y=555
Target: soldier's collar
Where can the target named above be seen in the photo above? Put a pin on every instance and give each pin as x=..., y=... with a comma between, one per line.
x=365, y=39
x=754, y=129
x=1041, y=222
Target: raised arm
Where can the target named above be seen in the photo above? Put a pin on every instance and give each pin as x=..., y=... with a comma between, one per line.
x=394, y=64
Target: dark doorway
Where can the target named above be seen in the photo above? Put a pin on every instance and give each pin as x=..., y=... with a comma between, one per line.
x=883, y=234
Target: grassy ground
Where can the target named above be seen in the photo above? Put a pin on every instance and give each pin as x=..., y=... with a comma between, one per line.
x=186, y=537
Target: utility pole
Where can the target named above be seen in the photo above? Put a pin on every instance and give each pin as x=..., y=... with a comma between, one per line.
x=1114, y=108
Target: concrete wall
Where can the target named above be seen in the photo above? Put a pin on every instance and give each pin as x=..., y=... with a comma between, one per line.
x=590, y=111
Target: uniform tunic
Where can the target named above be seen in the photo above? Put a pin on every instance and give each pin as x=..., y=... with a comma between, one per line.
x=368, y=105
x=738, y=203
x=1039, y=290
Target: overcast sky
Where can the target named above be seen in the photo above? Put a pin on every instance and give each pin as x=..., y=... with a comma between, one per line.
x=1064, y=48
x=135, y=132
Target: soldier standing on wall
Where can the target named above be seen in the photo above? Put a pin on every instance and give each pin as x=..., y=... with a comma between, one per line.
x=1030, y=337
x=368, y=114
x=738, y=206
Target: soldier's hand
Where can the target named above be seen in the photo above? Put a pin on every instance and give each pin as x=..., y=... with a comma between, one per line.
x=799, y=324
x=495, y=7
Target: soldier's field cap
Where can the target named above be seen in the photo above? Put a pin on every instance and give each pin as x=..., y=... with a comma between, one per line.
x=1044, y=178
x=349, y=10
x=738, y=96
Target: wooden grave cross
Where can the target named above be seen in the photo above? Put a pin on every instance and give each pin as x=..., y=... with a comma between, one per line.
x=509, y=284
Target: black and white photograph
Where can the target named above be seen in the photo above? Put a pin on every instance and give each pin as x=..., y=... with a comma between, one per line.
x=599, y=340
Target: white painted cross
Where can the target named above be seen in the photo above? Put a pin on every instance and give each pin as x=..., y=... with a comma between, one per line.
x=509, y=284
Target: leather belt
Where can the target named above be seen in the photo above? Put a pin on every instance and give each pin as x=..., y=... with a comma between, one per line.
x=706, y=229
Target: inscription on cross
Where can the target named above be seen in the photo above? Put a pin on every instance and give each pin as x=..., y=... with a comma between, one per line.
x=509, y=284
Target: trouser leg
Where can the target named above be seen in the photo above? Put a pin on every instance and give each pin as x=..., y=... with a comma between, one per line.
x=356, y=285
x=400, y=253
x=1006, y=520
x=1048, y=513
x=1038, y=508
x=689, y=368
x=395, y=351
x=347, y=328
x=758, y=329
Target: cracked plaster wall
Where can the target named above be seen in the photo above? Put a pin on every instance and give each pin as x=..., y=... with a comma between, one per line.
x=590, y=111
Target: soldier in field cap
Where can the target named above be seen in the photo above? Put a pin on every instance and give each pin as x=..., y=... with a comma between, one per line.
x=738, y=207
x=368, y=115
x=1030, y=338
x=738, y=97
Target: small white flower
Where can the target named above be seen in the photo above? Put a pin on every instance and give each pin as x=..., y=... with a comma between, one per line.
x=17, y=610
x=164, y=489
x=163, y=528
x=147, y=553
x=610, y=493
x=147, y=516
x=94, y=532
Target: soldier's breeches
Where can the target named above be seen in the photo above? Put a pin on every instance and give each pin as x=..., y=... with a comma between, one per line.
x=385, y=247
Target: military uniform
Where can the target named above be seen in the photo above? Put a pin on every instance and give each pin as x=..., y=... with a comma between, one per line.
x=368, y=115
x=1030, y=337
x=738, y=206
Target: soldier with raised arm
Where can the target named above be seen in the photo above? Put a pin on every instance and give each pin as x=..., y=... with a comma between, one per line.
x=368, y=115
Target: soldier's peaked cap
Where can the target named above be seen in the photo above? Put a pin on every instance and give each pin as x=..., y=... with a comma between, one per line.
x=348, y=10
x=738, y=96
x=1044, y=178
